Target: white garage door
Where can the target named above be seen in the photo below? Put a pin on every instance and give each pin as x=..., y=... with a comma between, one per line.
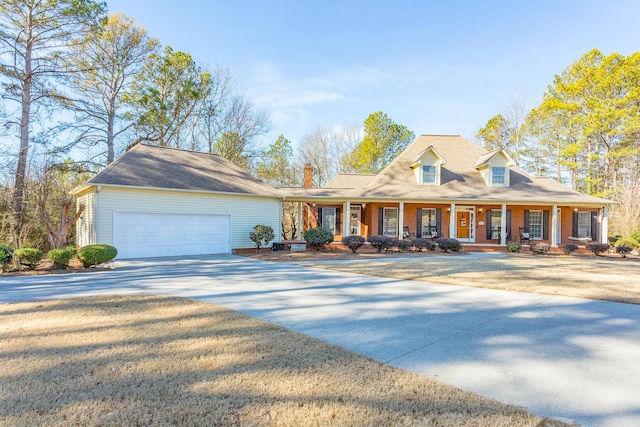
x=145, y=235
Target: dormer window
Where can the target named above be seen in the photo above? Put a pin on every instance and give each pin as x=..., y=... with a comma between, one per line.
x=498, y=175
x=429, y=175
x=495, y=168
x=427, y=167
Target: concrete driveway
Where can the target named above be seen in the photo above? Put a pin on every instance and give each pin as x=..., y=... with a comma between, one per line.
x=562, y=357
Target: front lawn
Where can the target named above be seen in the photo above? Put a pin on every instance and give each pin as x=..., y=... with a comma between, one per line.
x=152, y=360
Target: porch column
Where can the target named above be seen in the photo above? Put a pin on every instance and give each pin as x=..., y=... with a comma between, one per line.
x=300, y=219
x=604, y=225
x=554, y=226
x=452, y=220
x=503, y=225
x=347, y=218
x=401, y=221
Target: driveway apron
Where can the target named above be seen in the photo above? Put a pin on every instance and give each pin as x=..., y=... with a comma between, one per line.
x=568, y=358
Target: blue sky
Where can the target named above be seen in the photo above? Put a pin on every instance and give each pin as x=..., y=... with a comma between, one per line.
x=437, y=67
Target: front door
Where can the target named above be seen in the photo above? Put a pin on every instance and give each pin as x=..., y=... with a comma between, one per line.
x=465, y=224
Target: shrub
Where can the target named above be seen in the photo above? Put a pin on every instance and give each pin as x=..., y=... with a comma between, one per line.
x=318, y=237
x=261, y=235
x=623, y=250
x=539, y=248
x=381, y=243
x=514, y=247
x=29, y=257
x=60, y=257
x=6, y=256
x=627, y=241
x=446, y=244
x=96, y=254
x=569, y=248
x=636, y=236
x=353, y=242
x=421, y=243
x=402, y=245
x=598, y=248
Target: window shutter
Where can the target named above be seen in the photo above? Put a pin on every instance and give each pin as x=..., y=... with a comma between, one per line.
x=319, y=217
x=574, y=231
x=439, y=221
x=594, y=226
x=488, y=224
x=545, y=225
x=380, y=220
x=508, y=224
x=419, y=223
x=526, y=221
x=338, y=220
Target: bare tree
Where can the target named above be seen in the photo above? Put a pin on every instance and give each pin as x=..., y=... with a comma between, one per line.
x=108, y=61
x=35, y=40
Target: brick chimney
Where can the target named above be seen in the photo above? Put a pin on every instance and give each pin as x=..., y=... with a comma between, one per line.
x=307, y=180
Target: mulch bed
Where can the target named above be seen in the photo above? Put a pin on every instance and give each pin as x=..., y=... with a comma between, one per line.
x=46, y=267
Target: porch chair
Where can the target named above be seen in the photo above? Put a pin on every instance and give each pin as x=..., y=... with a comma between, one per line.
x=524, y=235
x=406, y=233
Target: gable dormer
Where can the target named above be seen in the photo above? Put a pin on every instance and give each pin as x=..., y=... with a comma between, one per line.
x=495, y=167
x=427, y=168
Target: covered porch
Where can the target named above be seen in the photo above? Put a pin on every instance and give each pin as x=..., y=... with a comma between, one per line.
x=471, y=222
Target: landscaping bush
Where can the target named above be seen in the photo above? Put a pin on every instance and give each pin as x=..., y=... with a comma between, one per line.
x=623, y=250
x=318, y=237
x=381, y=243
x=569, y=248
x=6, y=256
x=96, y=254
x=627, y=241
x=446, y=244
x=598, y=248
x=29, y=257
x=261, y=235
x=420, y=243
x=402, y=245
x=539, y=248
x=60, y=257
x=353, y=242
x=514, y=247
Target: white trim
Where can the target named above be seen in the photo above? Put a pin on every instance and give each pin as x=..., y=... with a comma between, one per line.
x=503, y=225
x=604, y=225
x=178, y=190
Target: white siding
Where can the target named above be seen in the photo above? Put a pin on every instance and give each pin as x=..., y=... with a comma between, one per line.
x=84, y=226
x=245, y=211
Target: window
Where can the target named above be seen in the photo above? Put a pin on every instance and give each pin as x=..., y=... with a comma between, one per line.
x=390, y=222
x=428, y=174
x=584, y=224
x=535, y=225
x=429, y=228
x=498, y=176
x=329, y=219
x=496, y=223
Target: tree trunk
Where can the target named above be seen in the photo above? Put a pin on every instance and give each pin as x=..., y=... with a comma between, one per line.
x=58, y=235
x=21, y=169
x=110, y=138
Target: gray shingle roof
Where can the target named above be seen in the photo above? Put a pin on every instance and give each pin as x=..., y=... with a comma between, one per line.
x=460, y=180
x=161, y=167
x=350, y=180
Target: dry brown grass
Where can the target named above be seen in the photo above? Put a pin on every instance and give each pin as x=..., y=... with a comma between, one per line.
x=609, y=279
x=151, y=360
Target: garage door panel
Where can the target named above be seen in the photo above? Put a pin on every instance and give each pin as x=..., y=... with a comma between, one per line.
x=139, y=235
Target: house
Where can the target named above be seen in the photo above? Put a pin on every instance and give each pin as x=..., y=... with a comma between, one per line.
x=444, y=185
x=158, y=201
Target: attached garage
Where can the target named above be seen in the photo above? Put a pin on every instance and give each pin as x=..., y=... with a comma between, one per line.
x=157, y=234
x=157, y=201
